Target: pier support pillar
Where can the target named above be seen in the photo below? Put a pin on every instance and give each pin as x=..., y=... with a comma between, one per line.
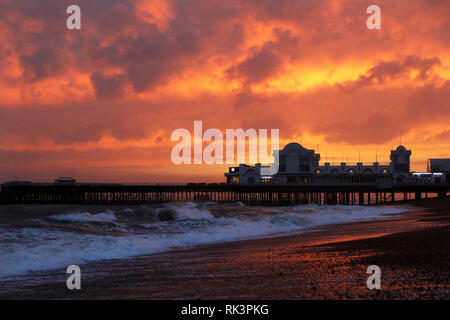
x=361, y=199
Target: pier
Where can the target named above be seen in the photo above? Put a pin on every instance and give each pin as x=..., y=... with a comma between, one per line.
x=258, y=194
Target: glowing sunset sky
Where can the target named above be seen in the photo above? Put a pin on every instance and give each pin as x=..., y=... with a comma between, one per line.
x=100, y=103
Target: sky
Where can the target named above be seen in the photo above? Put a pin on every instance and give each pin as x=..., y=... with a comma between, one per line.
x=100, y=103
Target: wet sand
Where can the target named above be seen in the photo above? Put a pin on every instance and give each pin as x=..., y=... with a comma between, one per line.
x=322, y=263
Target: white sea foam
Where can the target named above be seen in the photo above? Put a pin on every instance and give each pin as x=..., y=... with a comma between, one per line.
x=35, y=249
x=107, y=216
x=189, y=210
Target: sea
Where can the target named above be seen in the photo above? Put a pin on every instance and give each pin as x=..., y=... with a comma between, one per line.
x=72, y=235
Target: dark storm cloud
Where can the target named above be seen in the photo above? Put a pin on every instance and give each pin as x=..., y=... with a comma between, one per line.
x=262, y=65
x=269, y=60
x=108, y=86
x=43, y=63
x=390, y=70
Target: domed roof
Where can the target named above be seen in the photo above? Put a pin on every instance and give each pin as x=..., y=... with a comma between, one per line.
x=293, y=146
x=401, y=148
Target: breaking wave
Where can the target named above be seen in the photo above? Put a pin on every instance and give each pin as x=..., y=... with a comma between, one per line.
x=108, y=216
x=79, y=237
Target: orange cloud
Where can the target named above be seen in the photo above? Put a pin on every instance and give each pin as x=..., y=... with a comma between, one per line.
x=104, y=100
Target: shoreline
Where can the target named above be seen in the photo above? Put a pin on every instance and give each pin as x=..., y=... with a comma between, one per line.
x=326, y=262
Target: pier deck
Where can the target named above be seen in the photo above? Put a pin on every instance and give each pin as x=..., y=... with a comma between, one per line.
x=259, y=194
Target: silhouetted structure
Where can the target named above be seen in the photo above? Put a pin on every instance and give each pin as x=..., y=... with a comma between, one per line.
x=300, y=180
x=298, y=165
x=263, y=194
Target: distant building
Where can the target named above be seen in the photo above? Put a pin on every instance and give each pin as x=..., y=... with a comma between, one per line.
x=439, y=165
x=16, y=183
x=298, y=165
x=400, y=164
x=65, y=181
x=428, y=178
